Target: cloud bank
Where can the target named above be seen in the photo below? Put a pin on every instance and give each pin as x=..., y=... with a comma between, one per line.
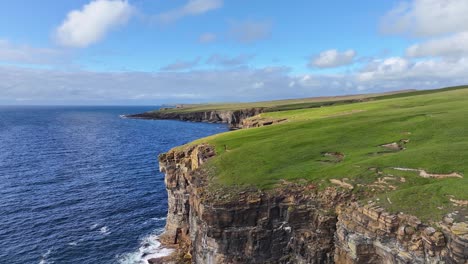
x=229, y=84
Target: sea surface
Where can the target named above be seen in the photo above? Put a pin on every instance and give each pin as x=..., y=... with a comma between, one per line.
x=81, y=185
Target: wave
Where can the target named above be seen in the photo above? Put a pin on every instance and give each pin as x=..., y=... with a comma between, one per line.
x=150, y=247
x=163, y=218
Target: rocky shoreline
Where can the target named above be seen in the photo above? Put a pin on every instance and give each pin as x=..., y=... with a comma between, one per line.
x=233, y=118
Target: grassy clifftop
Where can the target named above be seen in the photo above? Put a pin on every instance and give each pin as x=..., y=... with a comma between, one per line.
x=281, y=105
x=406, y=151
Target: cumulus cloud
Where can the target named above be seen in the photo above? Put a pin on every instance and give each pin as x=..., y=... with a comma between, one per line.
x=425, y=18
x=207, y=37
x=226, y=61
x=181, y=65
x=191, y=8
x=415, y=74
x=250, y=31
x=454, y=45
x=333, y=58
x=15, y=53
x=87, y=26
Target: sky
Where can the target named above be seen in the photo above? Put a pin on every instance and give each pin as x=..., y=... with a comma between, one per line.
x=140, y=52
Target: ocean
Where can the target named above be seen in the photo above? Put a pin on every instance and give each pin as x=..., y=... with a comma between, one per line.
x=81, y=185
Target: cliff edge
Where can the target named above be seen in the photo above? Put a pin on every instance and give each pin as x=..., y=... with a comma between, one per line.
x=233, y=118
x=292, y=223
x=371, y=182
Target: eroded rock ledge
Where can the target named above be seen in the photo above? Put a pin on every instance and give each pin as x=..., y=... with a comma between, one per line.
x=294, y=223
x=232, y=117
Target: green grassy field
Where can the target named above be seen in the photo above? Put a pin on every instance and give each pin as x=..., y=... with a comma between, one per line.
x=281, y=105
x=344, y=141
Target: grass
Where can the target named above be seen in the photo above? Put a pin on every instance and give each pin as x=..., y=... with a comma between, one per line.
x=434, y=122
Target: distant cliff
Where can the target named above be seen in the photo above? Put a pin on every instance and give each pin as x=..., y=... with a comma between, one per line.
x=233, y=118
x=292, y=223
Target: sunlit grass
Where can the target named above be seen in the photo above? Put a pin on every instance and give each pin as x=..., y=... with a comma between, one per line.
x=435, y=123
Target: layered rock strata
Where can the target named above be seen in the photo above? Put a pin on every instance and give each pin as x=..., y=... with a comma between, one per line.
x=294, y=223
x=368, y=234
x=232, y=117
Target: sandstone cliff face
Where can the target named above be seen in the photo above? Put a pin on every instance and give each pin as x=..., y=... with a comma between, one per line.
x=367, y=234
x=295, y=223
x=232, y=118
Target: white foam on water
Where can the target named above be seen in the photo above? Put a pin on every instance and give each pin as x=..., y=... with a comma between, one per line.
x=159, y=218
x=94, y=226
x=44, y=257
x=104, y=230
x=150, y=247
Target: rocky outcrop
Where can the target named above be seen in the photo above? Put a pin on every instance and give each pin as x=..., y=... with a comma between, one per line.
x=368, y=234
x=259, y=121
x=232, y=117
x=294, y=223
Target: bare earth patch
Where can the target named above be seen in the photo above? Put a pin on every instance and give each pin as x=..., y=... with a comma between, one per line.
x=395, y=146
x=383, y=184
x=334, y=157
x=459, y=202
x=425, y=174
x=342, y=184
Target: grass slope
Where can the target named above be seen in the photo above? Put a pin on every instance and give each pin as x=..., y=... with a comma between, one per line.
x=434, y=122
x=281, y=105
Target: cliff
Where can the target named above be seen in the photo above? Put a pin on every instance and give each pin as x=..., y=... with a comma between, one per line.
x=233, y=118
x=375, y=182
x=291, y=223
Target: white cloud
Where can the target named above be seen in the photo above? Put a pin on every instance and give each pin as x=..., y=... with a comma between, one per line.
x=379, y=69
x=207, y=37
x=250, y=31
x=333, y=58
x=454, y=45
x=417, y=74
x=15, y=53
x=427, y=18
x=84, y=27
x=192, y=7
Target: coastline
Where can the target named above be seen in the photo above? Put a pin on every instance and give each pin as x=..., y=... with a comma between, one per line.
x=299, y=222
x=233, y=118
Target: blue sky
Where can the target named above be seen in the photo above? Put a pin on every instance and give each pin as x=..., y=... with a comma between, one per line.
x=155, y=51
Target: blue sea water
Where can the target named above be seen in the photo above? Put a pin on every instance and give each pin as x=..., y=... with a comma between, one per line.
x=81, y=185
